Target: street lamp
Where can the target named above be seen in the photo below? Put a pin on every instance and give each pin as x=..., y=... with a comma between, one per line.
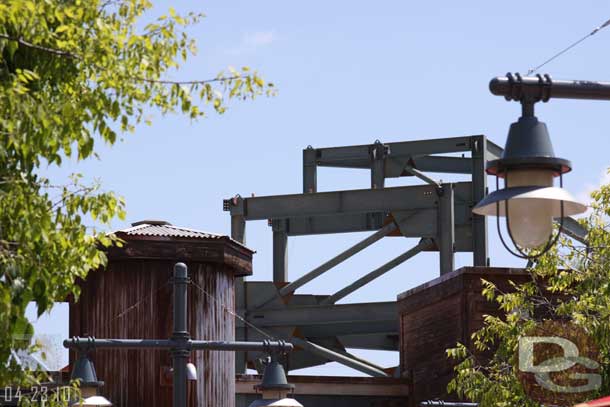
x=274, y=386
x=84, y=372
x=180, y=345
x=529, y=200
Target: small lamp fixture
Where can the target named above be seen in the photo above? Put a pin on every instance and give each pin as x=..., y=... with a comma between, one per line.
x=274, y=387
x=529, y=201
x=84, y=372
x=191, y=371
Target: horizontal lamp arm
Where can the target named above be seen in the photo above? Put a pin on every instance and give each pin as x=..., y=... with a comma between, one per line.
x=542, y=88
x=90, y=343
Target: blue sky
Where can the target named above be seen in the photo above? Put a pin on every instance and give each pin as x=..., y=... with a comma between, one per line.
x=351, y=73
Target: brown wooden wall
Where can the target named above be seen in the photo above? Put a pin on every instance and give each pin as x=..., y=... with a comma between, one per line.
x=140, y=377
x=437, y=315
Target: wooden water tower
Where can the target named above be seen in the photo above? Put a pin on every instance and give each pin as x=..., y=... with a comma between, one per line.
x=132, y=298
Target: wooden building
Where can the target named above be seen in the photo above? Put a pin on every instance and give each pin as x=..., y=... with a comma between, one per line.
x=437, y=315
x=132, y=298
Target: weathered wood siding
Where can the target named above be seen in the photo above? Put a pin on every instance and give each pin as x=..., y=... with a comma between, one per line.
x=437, y=315
x=133, y=299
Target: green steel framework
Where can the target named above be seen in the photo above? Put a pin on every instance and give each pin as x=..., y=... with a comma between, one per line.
x=439, y=214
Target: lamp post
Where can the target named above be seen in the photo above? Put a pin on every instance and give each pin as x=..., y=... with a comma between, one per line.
x=180, y=344
x=529, y=200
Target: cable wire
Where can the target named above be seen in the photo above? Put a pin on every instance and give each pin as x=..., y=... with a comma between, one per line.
x=595, y=31
x=230, y=311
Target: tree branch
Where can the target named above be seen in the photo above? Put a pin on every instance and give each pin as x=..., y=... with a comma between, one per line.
x=200, y=82
x=53, y=51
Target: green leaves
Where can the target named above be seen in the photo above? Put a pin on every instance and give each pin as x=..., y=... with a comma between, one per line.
x=578, y=280
x=74, y=74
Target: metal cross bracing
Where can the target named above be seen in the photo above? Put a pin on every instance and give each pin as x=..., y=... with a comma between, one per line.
x=439, y=214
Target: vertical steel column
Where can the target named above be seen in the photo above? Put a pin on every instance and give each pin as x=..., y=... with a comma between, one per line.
x=310, y=170
x=238, y=228
x=378, y=153
x=478, y=147
x=238, y=233
x=180, y=335
x=446, y=228
x=280, y=251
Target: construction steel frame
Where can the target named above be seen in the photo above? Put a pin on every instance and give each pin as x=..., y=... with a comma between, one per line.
x=440, y=214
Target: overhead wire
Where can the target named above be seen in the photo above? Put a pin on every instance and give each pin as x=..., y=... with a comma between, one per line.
x=231, y=312
x=563, y=51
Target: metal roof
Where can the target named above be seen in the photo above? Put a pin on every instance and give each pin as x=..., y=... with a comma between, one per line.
x=163, y=229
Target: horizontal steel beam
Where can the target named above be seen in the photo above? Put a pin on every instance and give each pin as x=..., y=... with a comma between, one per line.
x=337, y=223
x=360, y=156
x=434, y=163
x=327, y=203
x=330, y=320
x=417, y=153
x=343, y=202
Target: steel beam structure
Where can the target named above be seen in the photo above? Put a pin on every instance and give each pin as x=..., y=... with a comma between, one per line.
x=446, y=228
x=378, y=272
x=323, y=268
x=414, y=158
x=338, y=357
x=329, y=320
x=438, y=213
x=280, y=251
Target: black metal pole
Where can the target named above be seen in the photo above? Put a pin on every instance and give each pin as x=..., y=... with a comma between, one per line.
x=180, y=336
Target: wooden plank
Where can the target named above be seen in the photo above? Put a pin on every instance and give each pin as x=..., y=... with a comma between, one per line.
x=333, y=386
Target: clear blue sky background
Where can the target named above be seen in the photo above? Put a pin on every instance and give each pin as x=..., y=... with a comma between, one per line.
x=350, y=73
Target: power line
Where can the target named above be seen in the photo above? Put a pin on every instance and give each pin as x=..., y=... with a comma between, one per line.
x=533, y=70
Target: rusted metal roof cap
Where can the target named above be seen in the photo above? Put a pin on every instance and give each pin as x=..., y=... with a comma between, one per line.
x=158, y=239
x=165, y=229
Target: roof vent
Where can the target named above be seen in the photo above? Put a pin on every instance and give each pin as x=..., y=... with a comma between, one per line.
x=151, y=222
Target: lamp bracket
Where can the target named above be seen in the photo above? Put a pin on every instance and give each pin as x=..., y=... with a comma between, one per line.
x=541, y=88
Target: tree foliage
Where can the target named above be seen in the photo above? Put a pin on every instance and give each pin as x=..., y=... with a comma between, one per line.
x=74, y=73
x=577, y=278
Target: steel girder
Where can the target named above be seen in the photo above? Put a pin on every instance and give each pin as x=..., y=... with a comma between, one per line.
x=440, y=212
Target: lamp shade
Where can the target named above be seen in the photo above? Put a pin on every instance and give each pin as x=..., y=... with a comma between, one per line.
x=285, y=402
x=94, y=401
x=191, y=371
x=533, y=194
x=528, y=145
x=84, y=371
x=275, y=387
